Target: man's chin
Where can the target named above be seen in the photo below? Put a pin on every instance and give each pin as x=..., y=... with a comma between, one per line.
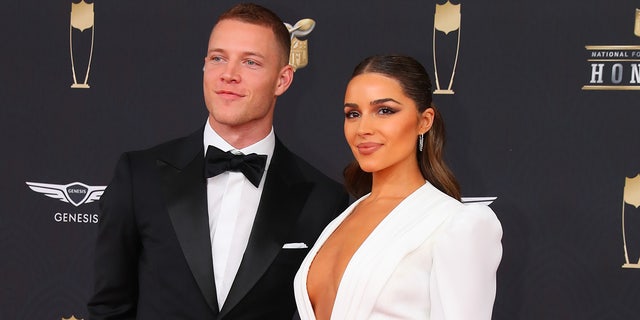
x=228, y=120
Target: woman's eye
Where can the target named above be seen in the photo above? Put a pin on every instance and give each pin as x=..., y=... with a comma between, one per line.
x=351, y=114
x=386, y=111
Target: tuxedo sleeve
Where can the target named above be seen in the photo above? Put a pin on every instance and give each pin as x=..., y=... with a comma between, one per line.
x=117, y=250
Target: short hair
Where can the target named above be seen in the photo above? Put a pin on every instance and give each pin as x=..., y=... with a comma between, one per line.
x=256, y=14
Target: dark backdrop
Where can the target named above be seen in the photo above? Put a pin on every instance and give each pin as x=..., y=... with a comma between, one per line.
x=521, y=128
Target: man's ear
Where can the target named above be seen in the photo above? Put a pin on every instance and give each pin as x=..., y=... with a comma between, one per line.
x=284, y=80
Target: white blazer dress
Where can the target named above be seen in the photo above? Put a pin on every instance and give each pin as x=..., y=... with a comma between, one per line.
x=432, y=257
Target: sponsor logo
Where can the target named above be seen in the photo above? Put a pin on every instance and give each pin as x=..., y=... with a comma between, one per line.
x=76, y=194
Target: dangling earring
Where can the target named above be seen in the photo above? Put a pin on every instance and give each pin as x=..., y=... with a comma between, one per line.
x=421, y=142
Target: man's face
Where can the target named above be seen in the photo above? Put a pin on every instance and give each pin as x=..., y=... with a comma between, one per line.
x=243, y=75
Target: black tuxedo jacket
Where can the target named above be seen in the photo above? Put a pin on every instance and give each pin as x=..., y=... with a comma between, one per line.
x=153, y=251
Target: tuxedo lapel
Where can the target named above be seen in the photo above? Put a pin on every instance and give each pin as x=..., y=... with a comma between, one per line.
x=181, y=168
x=283, y=197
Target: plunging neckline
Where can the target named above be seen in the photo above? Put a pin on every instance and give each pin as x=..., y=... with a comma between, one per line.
x=363, y=247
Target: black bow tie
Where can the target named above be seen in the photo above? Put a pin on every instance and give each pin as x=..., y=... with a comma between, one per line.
x=251, y=165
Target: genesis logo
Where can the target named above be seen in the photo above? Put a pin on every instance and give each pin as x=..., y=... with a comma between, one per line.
x=75, y=193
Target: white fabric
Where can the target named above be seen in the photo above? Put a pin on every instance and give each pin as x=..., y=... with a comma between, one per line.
x=232, y=204
x=432, y=258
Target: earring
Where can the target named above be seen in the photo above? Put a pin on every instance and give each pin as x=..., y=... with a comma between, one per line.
x=421, y=142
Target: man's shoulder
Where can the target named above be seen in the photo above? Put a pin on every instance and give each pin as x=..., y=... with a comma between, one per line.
x=175, y=145
x=298, y=165
x=169, y=150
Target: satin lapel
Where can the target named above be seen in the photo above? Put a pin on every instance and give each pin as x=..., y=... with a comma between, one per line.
x=283, y=197
x=185, y=192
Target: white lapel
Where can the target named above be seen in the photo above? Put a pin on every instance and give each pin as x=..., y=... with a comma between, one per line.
x=401, y=231
x=404, y=229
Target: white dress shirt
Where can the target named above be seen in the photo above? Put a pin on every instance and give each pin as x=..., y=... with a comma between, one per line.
x=232, y=204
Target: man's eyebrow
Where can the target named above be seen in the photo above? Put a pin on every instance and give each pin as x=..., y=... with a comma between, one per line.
x=244, y=54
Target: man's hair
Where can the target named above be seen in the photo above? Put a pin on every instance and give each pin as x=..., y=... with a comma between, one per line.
x=259, y=15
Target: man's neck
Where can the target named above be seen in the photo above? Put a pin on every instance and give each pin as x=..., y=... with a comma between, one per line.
x=241, y=136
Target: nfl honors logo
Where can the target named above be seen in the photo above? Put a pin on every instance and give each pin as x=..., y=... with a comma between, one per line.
x=615, y=67
x=631, y=197
x=446, y=20
x=82, y=18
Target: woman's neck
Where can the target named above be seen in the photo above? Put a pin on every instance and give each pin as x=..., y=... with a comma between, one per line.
x=395, y=183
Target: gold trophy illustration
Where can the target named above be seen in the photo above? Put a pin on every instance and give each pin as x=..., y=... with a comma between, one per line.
x=636, y=30
x=299, y=54
x=446, y=20
x=632, y=197
x=81, y=19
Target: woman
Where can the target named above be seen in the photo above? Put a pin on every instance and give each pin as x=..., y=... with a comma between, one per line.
x=407, y=249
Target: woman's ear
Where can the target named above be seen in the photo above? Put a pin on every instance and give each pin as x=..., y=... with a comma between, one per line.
x=426, y=120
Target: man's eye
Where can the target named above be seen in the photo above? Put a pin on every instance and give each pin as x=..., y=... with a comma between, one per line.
x=251, y=63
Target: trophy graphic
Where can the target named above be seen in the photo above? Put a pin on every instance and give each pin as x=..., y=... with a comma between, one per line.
x=299, y=54
x=632, y=197
x=446, y=19
x=81, y=19
x=636, y=30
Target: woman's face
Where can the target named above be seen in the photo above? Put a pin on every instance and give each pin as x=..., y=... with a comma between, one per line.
x=382, y=124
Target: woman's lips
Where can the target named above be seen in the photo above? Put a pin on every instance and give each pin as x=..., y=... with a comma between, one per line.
x=368, y=148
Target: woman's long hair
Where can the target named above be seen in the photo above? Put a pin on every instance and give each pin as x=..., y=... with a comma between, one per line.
x=415, y=83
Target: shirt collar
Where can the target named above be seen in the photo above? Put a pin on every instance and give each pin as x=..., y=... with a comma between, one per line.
x=264, y=146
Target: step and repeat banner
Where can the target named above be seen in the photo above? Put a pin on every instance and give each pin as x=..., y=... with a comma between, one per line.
x=541, y=102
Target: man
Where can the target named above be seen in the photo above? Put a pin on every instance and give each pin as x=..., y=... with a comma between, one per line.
x=176, y=244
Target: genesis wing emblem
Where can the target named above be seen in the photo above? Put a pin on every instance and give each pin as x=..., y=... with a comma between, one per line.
x=61, y=192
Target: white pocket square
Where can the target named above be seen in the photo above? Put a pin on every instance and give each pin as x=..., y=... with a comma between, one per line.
x=295, y=245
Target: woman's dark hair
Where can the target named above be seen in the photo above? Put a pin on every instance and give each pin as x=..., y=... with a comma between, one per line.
x=415, y=84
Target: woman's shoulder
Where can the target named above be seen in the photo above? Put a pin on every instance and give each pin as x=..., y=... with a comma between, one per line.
x=462, y=215
x=474, y=213
x=474, y=222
